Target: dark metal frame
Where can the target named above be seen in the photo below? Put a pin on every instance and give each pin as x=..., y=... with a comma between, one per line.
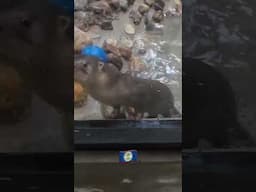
x=126, y=134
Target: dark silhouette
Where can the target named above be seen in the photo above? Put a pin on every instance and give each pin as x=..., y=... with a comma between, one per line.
x=209, y=108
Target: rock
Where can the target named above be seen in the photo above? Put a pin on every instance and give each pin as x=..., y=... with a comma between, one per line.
x=158, y=16
x=125, y=42
x=80, y=4
x=159, y=5
x=175, y=11
x=124, y=5
x=171, y=12
x=115, y=4
x=140, y=46
x=129, y=29
x=106, y=25
x=95, y=29
x=100, y=7
x=126, y=53
x=83, y=20
x=80, y=94
x=178, y=7
x=80, y=15
x=135, y=16
x=115, y=60
x=112, y=42
x=81, y=39
x=149, y=2
x=109, y=48
x=137, y=64
x=143, y=8
x=131, y=2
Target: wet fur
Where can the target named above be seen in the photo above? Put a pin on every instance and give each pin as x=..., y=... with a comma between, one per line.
x=108, y=85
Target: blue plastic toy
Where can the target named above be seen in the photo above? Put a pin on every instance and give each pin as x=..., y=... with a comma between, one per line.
x=95, y=51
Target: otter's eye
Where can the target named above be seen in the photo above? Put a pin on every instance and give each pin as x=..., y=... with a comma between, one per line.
x=85, y=65
x=26, y=22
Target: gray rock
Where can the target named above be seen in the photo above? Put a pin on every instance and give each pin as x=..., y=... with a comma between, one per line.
x=159, y=5
x=143, y=8
x=80, y=4
x=106, y=25
x=124, y=5
x=149, y=2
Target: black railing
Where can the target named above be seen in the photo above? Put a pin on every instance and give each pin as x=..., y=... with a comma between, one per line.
x=121, y=134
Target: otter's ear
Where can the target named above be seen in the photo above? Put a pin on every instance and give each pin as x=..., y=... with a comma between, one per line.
x=100, y=65
x=63, y=23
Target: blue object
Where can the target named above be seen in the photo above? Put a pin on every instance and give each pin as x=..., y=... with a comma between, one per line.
x=128, y=156
x=95, y=51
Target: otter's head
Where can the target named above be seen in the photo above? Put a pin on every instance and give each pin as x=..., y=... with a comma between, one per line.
x=87, y=68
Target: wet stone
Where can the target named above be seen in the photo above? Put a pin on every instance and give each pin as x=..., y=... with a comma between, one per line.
x=159, y=5
x=124, y=5
x=106, y=25
x=135, y=16
x=115, y=4
x=131, y=2
x=143, y=8
x=129, y=29
x=125, y=52
x=149, y=2
x=158, y=16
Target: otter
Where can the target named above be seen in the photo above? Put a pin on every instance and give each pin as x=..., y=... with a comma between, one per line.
x=109, y=86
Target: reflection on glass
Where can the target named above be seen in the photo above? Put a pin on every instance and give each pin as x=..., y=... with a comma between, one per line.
x=219, y=94
x=36, y=73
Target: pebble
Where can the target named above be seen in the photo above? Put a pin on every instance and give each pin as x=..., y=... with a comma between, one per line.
x=140, y=46
x=143, y=8
x=149, y=2
x=135, y=16
x=106, y=25
x=137, y=65
x=115, y=4
x=158, y=16
x=126, y=53
x=111, y=41
x=80, y=4
x=129, y=29
x=81, y=39
x=124, y=5
x=80, y=94
x=159, y=5
x=125, y=42
x=131, y=2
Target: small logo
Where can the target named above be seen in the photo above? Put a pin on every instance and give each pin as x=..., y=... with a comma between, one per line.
x=128, y=156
